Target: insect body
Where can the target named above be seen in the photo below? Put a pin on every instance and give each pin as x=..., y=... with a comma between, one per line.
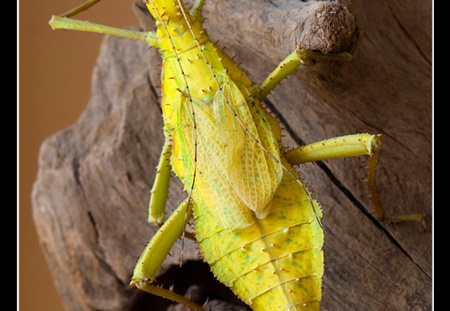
x=256, y=223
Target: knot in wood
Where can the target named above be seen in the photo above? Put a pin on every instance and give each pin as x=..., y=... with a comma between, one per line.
x=329, y=28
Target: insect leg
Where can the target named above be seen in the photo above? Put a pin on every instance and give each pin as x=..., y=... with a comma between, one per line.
x=160, y=187
x=83, y=7
x=289, y=65
x=338, y=147
x=348, y=146
x=169, y=294
x=61, y=22
x=197, y=7
x=159, y=246
x=156, y=251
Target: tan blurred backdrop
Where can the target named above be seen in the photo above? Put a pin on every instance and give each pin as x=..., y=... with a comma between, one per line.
x=55, y=76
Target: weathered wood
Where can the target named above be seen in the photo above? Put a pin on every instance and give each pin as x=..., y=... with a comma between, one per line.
x=90, y=197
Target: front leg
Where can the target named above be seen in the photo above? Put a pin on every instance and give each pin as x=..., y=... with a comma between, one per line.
x=348, y=146
x=83, y=7
x=64, y=22
x=299, y=57
x=287, y=66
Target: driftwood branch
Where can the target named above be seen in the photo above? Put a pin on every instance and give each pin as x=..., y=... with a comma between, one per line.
x=91, y=193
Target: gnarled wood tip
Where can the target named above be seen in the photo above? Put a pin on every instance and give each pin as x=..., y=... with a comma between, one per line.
x=329, y=28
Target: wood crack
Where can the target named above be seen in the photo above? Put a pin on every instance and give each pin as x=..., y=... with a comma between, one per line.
x=410, y=37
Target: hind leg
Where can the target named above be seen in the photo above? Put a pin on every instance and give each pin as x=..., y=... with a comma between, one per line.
x=348, y=146
x=156, y=251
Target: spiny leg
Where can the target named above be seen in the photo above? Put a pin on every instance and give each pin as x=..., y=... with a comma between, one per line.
x=58, y=22
x=169, y=294
x=290, y=64
x=348, y=146
x=156, y=251
x=338, y=147
x=159, y=246
x=160, y=187
x=64, y=22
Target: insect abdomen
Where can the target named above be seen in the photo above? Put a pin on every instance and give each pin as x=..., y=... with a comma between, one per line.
x=277, y=262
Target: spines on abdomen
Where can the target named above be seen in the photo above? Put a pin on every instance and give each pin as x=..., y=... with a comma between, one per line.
x=277, y=262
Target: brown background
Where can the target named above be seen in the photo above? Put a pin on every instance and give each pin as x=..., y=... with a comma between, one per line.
x=55, y=73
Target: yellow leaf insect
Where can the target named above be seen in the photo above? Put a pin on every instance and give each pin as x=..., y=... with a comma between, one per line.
x=257, y=225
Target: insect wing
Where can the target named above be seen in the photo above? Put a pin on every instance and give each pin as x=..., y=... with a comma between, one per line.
x=212, y=187
x=250, y=148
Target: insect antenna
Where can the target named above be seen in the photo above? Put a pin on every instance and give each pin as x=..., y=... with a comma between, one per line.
x=220, y=89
